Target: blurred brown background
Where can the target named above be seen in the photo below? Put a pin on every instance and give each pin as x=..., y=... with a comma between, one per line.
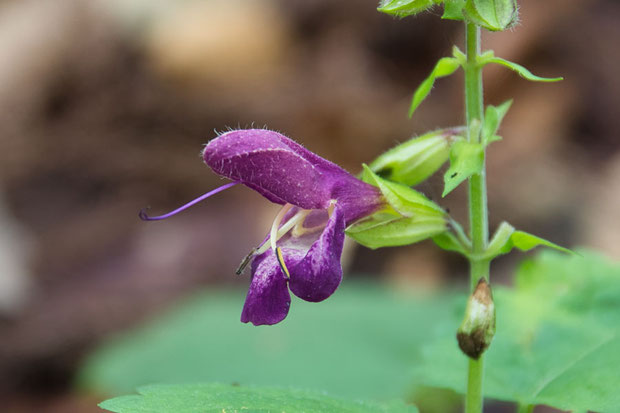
x=105, y=105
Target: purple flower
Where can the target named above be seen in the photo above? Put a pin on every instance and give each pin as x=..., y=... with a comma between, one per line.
x=320, y=199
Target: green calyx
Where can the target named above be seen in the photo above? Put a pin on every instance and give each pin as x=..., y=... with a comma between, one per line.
x=415, y=160
x=493, y=15
x=409, y=217
x=404, y=8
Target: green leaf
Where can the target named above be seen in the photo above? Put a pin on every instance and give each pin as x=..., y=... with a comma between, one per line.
x=522, y=71
x=387, y=230
x=453, y=9
x=357, y=344
x=493, y=117
x=493, y=15
x=444, y=67
x=404, y=8
x=217, y=398
x=414, y=161
x=407, y=201
x=466, y=159
x=525, y=242
x=557, y=338
x=506, y=238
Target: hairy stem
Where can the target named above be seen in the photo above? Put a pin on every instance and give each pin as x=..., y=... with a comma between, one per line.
x=478, y=214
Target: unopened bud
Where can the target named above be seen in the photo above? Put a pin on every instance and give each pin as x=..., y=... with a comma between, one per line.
x=415, y=160
x=494, y=15
x=478, y=327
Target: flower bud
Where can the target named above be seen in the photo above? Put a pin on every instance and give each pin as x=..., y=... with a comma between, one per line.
x=404, y=8
x=478, y=327
x=494, y=15
x=415, y=160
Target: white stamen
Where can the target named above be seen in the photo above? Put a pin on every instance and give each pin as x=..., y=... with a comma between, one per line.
x=295, y=220
x=276, y=225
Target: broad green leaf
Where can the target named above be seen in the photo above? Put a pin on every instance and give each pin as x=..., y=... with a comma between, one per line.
x=414, y=161
x=407, y=201
x=382, y=230
x=493, y=15
x=557, y=340
x=218, y=398
x=357, y=344
x=522, y=71
x=453, y=9
x=404, y=8
x=466, y=159
x=444, y=67
x=506, y=238
x=493, y=117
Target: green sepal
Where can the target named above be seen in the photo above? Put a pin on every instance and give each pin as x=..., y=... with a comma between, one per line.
x=489, y=57
x=449, y=242
x=444, y=67
x=466, y=159
x=494, y=15
x=385, y=229
x=507, y=237
x=493, y=117
x=453, y=10
x=404, y=8
x=415, y=160
x=406, y=201
x=410, y=217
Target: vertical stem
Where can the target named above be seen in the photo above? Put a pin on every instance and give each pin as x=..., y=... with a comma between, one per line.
x=478, y=215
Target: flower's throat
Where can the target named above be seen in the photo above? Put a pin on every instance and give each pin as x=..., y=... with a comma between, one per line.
x=274, y=233
x=278, y=230
x=294, y=222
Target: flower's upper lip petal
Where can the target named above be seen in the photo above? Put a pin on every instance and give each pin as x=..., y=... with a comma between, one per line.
x=319, y=273
x=268, y=299
x=263, y=161
x=285, y=172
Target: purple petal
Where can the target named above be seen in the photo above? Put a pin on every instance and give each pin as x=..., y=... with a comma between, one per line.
x=319, y=273
x=265, y=162
x=268, y=299
x=285, y=172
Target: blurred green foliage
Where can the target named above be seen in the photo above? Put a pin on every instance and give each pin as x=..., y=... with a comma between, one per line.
x=360, y=343
x=218, y=398
x=557, y=341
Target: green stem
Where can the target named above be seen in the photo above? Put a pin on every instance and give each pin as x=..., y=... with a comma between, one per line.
x=478, y=215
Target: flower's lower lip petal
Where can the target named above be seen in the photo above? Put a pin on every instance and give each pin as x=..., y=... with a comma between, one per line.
x=319, y=273
x=268, y=299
